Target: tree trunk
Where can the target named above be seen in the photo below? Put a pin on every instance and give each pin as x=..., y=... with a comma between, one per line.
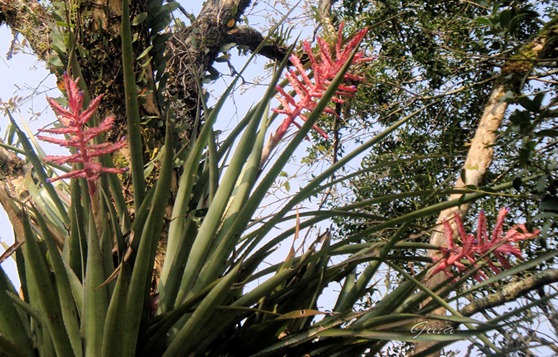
x=476, y=165
x=480, y=156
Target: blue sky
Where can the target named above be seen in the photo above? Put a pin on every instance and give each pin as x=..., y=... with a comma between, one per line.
x=22, y=76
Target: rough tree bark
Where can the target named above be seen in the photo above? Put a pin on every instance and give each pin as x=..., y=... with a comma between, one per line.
x=476, y=165
x=192, y=49
x=511, y=292
x=96, y=26
x=195, y=48
x=11, y=184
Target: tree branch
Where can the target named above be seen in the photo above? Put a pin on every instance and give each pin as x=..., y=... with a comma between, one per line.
x=12, y=172
x=251, y=38
x=30, y=19
x=512, y=291
x=195, y=49
x=327, y=18
x=13, y=189
x=477, y=163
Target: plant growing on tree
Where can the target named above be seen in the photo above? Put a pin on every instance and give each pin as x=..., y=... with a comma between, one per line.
x=324, y=67
x=474, y=249
x=86, y=266
x=74, y=122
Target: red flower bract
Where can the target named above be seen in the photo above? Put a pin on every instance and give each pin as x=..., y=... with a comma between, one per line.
x=473, y=248
x=325, y=66
x=74, y=125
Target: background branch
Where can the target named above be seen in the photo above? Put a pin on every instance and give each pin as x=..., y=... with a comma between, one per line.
x=251, y=38
x=512, y=291
x=30, y=19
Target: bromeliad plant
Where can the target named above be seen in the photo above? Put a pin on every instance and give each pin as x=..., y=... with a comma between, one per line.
x=310, y=90
x=94, y=293
x=74, y=122
x=473, y=249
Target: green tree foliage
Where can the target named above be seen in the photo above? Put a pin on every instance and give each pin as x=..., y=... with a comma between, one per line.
x=438, y=62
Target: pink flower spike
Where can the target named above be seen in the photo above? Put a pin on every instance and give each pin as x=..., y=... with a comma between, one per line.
x=482, y=235
x=284, y=95
x=500, y=246
x=520, y=232
x=339, y=39
x=75, y=96
x=499, y=227
x=310, y=89
x=74, y=121
x=320, y=131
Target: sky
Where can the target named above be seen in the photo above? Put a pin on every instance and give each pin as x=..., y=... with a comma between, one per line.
x=27, y=79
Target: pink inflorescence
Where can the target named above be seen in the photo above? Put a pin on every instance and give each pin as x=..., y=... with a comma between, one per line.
x=473, y=249
x=74, y=126
x=309, y=90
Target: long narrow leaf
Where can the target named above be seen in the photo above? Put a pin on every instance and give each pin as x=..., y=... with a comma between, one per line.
x=143, y=264
x=9, y=348
x=113, y=333
x=228, y=197
x=67, y=304
x=191, y=333
x=132, y=108
x=307, y=335
x=48, y=298
x=11, y=325
x=75, y=246
x=40, y=171
x=188, y=179
x=77, y=288
x=95, y=299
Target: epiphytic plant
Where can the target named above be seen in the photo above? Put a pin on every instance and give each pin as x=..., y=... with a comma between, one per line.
x=309, y=89
x=481, y=247
x=74, y=122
